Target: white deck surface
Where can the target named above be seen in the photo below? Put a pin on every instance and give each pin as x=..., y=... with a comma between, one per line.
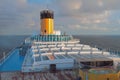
x=56, y=52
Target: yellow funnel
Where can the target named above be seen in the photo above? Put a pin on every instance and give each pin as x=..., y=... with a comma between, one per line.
x=47, y=22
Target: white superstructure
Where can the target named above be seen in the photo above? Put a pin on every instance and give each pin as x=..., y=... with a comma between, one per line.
x=63, y=54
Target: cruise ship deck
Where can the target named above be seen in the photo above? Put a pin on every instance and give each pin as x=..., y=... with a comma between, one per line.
x=64, y=55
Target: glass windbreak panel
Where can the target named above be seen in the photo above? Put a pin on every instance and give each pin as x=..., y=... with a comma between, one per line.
x=60, y=56
x=38, y=58
x=45, y=58
x=74, y=55
x=68, y=56
x=104, y=63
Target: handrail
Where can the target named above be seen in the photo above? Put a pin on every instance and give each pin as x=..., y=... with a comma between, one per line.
x=6, y=57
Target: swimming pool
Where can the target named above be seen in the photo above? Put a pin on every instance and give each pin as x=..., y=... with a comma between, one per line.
x=13, y=63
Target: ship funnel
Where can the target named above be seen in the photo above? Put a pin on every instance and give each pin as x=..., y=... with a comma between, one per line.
x=47, y=22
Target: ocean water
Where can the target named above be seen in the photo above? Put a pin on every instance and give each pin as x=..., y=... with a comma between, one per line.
x=11, y=41
x=111, y=43
x=7, y=43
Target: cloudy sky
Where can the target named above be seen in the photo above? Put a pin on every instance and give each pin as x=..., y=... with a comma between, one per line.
x=88, y=17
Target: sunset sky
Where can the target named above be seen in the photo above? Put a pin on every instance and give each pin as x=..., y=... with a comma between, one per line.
x=82, y=17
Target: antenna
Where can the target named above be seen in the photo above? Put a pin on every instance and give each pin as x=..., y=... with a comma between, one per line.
x=47, y=4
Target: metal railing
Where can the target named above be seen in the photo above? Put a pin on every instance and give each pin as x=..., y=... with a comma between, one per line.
x=5, y=57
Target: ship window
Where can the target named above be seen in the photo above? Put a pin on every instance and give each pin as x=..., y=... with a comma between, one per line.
x=107, y=78
x=45, y=31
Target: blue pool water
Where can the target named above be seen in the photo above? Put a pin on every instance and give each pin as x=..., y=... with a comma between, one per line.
x=13, y=63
